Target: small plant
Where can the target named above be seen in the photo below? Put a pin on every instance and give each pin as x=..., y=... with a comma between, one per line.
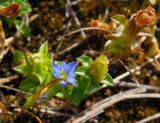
x=124, y=40
x=24, y=8
x=73, y=81
x=128, y=36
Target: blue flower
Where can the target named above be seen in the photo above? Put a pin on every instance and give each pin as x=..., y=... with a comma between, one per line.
x=65, y=71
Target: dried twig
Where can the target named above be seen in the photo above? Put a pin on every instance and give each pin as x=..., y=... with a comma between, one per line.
x=87, y=29
x=14, y=89
x=5, y=51
x=135, y=79
x=77, y=43
x=69, y=48
x=122, y=76
x=76, y=2
x=32, y=114
x=145, y=95
x=137, y=68
x=75, y=17
x=8, y=79
x=10, y=40
x=100, y=106
x=133, y=85
x=148, y=119
x=51, y=112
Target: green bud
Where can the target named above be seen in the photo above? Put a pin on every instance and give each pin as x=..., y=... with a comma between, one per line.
x=36, y=57
x=99, y=68
x=19, y=58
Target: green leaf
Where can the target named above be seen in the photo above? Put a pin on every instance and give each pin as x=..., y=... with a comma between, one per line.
x=118, y=46
x=121, y=19
x=91, y=87
x=54, y=91
x=2, y=1
x=67, y=92
x=29, y=85
x=78, y=93
x=60, y=95
x=85, y=60
x=44, y=49
x=119, y=29
x=108, y=80
x=38, y=77
x=81, y=71
x=23, y=28
x=23, y=69
x=4, y=4
x=25, y=8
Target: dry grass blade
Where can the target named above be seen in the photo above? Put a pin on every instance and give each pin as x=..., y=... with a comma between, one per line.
x=32, y=99
x=8, y=79
x=100, y=106
x=149, y=119
x=133, y=85
x=14, y=89
x=135, y=79
x=75, y=17
x=36, y=117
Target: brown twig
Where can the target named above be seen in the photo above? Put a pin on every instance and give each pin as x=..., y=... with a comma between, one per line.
x=51, y=112
x=135, y=79
x=133, y=85
x=10, y=40
x=122, y=76
x=150, y=118
x=87, y=29
x=14, y=89
x=77, y=43
x=8, y=79
x=32, y=114
x=145, y=95
x=100, y=106
x=75, y=17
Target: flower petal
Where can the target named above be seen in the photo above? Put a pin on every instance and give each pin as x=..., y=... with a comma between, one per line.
x=72, y=81
x=64, y=66
x=57, y=69
x=71, y=67
x=63, y=83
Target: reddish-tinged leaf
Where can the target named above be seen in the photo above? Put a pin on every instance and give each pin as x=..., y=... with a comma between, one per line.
x=145, y=17
x=101, y=24
x=10, y=11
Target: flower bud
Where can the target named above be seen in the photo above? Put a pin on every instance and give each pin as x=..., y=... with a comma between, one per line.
x=99, y=68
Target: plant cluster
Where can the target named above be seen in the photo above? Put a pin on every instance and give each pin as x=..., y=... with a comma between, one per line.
x=23, y=8
x=73, y=81
x=76, y=80
x=133, y=35
x=127, y=35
